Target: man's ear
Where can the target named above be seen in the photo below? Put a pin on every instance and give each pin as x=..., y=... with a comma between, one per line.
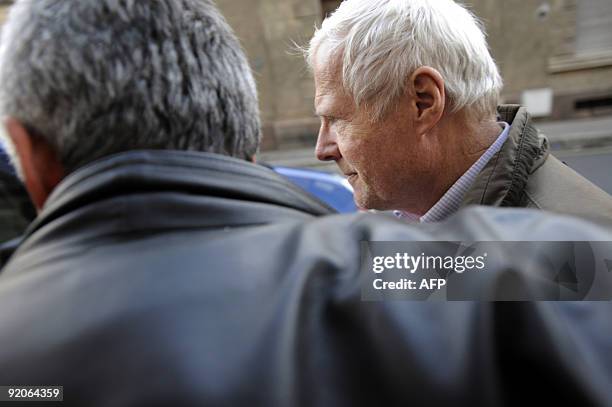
x=40, y=167
x=429, y=97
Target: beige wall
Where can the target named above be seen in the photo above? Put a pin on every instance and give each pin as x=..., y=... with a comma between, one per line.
x=268, y=29
x=536, y=51
x=3, y=10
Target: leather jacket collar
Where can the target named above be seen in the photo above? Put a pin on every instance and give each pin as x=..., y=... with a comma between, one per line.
x=141, y=191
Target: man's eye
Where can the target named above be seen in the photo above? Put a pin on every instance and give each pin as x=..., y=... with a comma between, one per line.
x=329, y=120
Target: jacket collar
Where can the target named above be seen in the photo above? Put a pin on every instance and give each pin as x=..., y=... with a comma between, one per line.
x=504, y=178
x=197, y=189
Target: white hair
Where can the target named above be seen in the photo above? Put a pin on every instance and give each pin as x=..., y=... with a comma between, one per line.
x=380, y=43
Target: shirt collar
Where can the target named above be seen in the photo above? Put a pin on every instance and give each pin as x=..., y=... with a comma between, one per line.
x=451, y=200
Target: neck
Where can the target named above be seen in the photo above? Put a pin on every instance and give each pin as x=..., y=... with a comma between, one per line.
x=459, y=144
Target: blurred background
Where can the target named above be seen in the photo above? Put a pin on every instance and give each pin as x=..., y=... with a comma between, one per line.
x=555, y=57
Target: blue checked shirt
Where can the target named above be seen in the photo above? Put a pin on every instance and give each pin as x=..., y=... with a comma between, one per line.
x=451, y=200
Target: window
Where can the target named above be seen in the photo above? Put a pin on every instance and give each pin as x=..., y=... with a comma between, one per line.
x=593, y=26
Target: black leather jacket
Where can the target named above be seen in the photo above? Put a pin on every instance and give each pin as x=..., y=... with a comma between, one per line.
x=16, y=210
x=172, y=278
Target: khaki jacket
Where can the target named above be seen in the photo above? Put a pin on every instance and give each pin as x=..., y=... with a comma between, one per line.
x=525, y=174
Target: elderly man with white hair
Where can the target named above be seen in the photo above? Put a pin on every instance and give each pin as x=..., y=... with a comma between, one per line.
x=407, y=93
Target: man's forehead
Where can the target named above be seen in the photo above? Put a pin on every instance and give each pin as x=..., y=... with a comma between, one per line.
x=330, y=98
x=327, y=67
x=326, y=75
x=328, y=80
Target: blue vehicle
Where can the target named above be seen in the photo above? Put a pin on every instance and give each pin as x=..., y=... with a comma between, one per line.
x=330, y=188
x=5, y=165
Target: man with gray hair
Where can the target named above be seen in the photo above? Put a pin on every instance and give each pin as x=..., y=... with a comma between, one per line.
x=407, y=93
x=100, y=86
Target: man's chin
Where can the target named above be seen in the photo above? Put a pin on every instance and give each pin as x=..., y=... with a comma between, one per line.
x=367, y=203
x=361, y=206
x=365, y=198
x=361, y=209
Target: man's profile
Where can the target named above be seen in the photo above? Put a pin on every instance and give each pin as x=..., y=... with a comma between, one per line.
x=408, y=95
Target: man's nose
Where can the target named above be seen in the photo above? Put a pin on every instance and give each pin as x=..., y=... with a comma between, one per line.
x=327, y=149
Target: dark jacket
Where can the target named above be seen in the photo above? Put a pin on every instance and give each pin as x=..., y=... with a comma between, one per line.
x=525, y=174
x=16, y=210
x=172, y=279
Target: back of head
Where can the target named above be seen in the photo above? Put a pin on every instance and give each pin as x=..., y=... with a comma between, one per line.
x=98, y=77
x=378, y=44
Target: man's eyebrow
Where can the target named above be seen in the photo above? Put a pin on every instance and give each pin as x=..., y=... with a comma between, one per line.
x=325, y=114
x=323, y=109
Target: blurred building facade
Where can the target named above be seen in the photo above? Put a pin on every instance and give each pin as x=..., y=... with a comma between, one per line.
x=270, y=31
x=555, y=57
x=4, y=5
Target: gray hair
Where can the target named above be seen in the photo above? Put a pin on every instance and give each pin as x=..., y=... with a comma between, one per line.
x=97, y=77
x=379, y=44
